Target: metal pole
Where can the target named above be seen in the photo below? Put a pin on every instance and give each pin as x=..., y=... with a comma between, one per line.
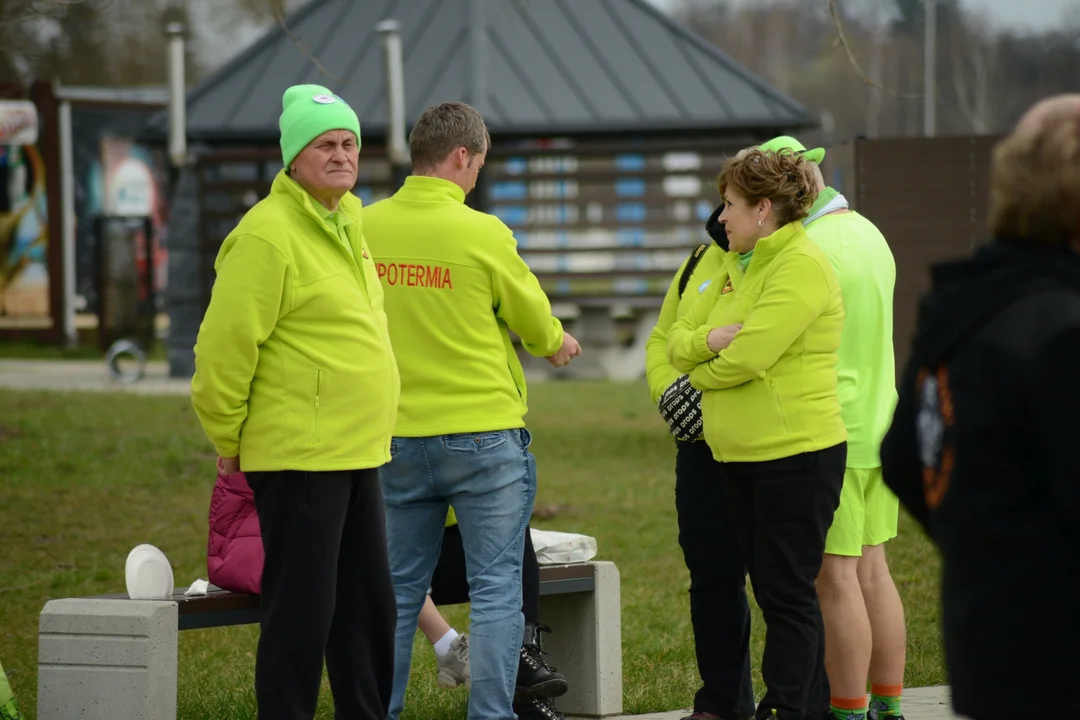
x=177, y=95
x=479, y=54
x=67, y=227
x=828, y=127
x=930, y=69
x=396, y=147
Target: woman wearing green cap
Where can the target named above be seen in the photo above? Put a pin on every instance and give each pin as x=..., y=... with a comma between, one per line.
x=296, y=385
x=761, y=345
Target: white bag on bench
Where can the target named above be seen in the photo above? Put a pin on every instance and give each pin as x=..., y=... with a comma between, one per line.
x=560, y=548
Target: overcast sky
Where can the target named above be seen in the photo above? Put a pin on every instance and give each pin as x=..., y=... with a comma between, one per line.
x=1015, y=14
x=1026, y=14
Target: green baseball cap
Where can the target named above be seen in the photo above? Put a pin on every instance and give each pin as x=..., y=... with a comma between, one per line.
x=786, y=142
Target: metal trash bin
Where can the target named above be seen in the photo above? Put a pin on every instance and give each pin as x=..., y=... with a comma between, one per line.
x=127, y=305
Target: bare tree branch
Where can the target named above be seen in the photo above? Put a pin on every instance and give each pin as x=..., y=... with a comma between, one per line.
x=841, y=39
x=874, y=97
x=973, y=94
x=279, y=15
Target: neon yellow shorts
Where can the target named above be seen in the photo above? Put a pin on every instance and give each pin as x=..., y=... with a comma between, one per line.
x=867, y=514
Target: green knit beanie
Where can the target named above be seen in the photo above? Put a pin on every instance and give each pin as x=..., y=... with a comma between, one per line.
x=307, y=111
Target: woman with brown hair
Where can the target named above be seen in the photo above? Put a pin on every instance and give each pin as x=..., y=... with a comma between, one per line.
x=761, y=344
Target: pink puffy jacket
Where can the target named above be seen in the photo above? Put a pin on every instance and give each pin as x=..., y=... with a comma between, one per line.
x=234, y=553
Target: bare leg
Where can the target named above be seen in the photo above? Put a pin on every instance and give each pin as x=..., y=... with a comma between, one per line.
x=431, y=622
x=886, y=614
x=847, y=627
x=453, y=664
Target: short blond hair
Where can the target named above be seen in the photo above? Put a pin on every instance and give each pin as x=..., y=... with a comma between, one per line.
x=1035, y=184
x=441, y=129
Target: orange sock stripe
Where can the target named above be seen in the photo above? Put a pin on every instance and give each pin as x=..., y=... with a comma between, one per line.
x=886, y=690
x=858, y=703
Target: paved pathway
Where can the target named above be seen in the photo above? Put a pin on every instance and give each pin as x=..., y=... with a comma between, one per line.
x=86, y=375
x=928, y=703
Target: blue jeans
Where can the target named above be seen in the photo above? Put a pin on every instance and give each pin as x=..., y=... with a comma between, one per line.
x=490, y=479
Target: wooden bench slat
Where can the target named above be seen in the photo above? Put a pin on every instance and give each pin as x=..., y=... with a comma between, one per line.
x=567, y=572
x=221, y=618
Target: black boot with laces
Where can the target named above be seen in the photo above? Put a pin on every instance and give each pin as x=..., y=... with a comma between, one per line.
x=536, y=679
x=540, y=709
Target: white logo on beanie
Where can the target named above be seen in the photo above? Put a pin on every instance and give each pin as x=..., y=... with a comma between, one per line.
x=324, y=99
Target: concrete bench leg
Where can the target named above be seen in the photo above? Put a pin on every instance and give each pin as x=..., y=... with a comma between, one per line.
x=107, y=660
x=628, y=363
x=595, y=330
x=586, y=645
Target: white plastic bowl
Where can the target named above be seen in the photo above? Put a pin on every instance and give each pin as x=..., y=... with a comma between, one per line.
x=148, y=574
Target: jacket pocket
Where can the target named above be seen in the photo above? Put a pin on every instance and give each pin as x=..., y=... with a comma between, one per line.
x=781, y=418
x=315, y=409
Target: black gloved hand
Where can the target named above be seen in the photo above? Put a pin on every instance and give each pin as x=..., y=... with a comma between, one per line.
x=680, y=406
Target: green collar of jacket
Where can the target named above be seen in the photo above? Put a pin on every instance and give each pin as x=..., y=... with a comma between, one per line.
x=768, y=247
x=290, y=191
x=337, y=222
x=333, y=218
x=424, y=188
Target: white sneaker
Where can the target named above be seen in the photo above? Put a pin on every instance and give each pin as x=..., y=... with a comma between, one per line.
x=454, y=666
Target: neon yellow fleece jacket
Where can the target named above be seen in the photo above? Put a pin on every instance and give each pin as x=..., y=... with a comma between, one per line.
x=772, y=393
x=659, y=371
x=864, y=264
x=293, y=364
x=454, y=285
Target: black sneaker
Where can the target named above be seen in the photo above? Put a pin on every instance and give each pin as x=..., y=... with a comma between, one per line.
x=539, y=709
x=535, y=678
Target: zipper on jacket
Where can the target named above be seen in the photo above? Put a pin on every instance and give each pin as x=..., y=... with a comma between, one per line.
x=318, y=400
x=781, y=418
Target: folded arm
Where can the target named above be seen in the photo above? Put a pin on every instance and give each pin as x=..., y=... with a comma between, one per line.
x=796, y=294
x=687, y=339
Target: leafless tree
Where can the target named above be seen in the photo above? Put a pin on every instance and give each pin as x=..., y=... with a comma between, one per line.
x=973, y=72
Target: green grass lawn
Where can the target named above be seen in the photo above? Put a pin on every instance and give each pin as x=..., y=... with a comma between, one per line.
x=85, y=477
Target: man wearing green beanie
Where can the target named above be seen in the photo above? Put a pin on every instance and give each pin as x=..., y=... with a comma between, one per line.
x=863, y=614
x=296, y=385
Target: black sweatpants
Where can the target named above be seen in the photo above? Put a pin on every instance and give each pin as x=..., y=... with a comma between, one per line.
x=782, y=511
x=719, y=611
x=326, y=590
x=450, y=587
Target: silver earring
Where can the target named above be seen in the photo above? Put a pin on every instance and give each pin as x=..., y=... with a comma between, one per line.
x=759, y=223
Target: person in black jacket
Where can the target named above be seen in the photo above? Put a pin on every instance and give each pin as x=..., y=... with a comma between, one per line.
x=983, y=446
